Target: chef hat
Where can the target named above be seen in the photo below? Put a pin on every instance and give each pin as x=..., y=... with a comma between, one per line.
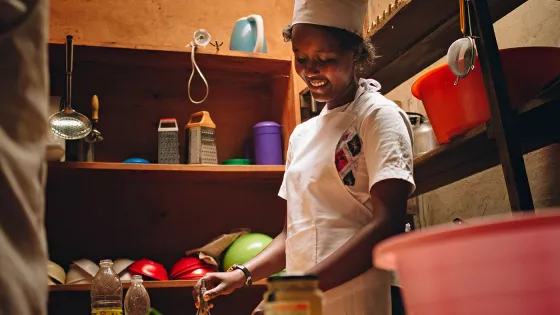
x=344, y=14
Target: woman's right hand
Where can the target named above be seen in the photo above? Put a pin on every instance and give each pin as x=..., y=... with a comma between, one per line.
x=218, y=283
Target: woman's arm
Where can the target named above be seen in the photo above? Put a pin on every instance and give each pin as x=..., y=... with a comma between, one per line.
x=354, y=257
x=270, y=260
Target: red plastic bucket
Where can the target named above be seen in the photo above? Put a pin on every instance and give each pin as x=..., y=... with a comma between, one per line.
x=500, y=266
x=453, y=110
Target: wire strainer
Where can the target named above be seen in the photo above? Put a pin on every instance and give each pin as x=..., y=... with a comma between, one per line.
x=462, y=53
x=69, y=124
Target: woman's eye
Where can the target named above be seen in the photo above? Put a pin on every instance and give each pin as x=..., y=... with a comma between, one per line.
x=325, y=60
x=301, y=60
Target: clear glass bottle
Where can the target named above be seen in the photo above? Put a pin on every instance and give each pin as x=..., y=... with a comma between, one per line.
x=137, y=300
x=106, y=291
x=293, y=294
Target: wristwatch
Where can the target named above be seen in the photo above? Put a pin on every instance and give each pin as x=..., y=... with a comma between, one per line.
x=248, y=279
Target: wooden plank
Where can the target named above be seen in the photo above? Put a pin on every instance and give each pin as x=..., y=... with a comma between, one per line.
x=218, y=173
x=169, y=57
x=503, y=118
x=425, y=29
x=177, y=301
x=167, y=284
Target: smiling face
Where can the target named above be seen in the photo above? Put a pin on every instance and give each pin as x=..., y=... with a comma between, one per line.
x=326, y=68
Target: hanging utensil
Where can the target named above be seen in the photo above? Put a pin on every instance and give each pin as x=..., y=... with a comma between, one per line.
x=94, y=136
x=69, y=124
x=201, y=38
x=462, y=53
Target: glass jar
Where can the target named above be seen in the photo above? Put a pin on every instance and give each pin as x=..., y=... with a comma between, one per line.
x=290, y=294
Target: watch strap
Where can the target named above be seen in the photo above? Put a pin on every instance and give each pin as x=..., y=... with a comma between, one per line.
x=248, y=279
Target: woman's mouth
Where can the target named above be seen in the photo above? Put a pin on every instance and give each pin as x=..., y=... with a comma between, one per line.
x=317, y=83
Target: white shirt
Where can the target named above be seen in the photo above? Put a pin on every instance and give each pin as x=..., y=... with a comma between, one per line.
x=386, y=140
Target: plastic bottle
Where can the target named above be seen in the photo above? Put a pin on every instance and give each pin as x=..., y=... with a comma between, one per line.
x=137, y=300
x=106, y=291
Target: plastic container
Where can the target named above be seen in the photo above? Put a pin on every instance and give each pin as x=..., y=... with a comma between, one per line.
x=106, y=291
x=236, y=162
x=268, y=143
x=148, y=268
x=137, y=300
x=454, y=110
x=501, y=265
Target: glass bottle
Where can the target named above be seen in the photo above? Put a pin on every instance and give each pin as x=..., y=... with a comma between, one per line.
x=106, y=290
x=137, y=300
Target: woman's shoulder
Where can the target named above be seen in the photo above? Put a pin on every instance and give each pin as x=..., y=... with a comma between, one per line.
x=370, y=103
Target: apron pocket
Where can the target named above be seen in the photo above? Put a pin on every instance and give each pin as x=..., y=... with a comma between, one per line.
x=301, y=250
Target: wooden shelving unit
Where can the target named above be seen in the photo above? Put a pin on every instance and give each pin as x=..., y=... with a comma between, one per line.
x=168, y=284
x=425, y=30
x=109, y=209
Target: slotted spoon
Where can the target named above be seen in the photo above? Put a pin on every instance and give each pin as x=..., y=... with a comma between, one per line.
x=69, y=124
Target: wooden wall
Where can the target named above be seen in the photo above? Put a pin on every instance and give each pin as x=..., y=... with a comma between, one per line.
x=165, y=22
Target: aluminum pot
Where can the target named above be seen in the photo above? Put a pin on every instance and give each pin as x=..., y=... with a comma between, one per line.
x=424, y=137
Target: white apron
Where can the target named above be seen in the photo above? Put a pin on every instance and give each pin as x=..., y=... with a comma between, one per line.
x=323, y=215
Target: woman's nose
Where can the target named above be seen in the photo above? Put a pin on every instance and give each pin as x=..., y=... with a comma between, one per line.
x=310, y=68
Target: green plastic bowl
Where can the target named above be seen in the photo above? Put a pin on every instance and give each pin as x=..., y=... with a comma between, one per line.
x=245, y=248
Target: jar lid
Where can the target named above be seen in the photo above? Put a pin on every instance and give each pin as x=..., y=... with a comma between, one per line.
x=266, y=124
x=236, y=162
x=292, y=277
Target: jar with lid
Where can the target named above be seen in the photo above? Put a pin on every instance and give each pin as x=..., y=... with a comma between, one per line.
x=290, y=294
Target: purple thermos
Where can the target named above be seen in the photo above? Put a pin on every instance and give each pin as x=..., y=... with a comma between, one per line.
x=268, y=143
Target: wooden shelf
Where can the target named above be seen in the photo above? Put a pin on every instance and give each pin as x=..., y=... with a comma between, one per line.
x=174, y=171
x=425, y=29
x=476, y=150
x=207, y=59
x=168, y=284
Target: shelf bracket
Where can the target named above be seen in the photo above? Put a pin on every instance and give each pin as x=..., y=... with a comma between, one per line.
x=503, y=117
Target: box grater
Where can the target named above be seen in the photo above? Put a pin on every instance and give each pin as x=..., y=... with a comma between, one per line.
x=199, y=134
x=168, y=141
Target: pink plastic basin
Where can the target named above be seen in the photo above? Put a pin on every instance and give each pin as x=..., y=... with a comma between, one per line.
x=501, y=265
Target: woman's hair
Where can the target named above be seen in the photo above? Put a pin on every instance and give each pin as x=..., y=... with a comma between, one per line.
x=348, y=41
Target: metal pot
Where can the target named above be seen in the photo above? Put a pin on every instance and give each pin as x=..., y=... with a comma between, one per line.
x=424, y=137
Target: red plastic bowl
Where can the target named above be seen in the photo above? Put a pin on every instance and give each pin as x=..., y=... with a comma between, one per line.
x=195, y=274
x=501, y=265
x=453, y=110
x=149, y=268
x=185, y=263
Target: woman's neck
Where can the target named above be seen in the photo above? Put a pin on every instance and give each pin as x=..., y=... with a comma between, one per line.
x=346, y=97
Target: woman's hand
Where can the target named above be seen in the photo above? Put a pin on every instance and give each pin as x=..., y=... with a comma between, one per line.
x=218, y=283
x=259, y=310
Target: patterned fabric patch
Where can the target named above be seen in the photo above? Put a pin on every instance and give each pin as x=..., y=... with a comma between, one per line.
x=349, y=179
x=347, y=155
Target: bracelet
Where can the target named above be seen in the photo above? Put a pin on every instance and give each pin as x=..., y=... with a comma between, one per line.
x=248, y=279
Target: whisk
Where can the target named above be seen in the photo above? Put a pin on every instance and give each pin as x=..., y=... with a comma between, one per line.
x=204, y=308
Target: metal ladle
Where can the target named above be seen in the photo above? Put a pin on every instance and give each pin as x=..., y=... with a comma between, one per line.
x=462, y=53
x=69, y=124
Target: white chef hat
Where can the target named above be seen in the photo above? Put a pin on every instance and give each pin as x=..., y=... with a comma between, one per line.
x=344, y=14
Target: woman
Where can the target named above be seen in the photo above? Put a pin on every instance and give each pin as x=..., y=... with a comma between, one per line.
x=348, y=171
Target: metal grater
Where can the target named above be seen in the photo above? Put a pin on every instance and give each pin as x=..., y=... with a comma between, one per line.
x=168, y=141
x=201, y=147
